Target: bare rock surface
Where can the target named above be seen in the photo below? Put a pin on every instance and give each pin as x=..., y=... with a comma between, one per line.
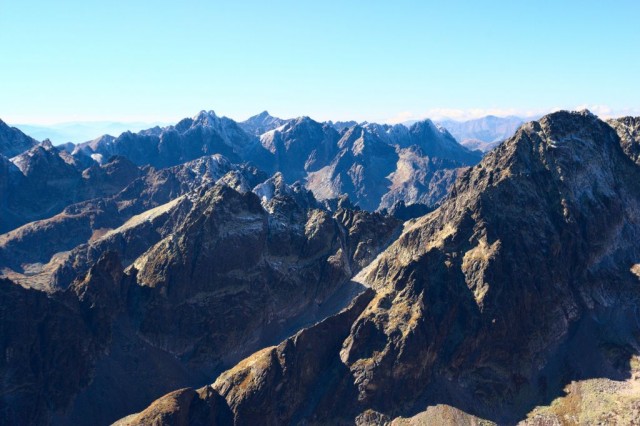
x=523, y=281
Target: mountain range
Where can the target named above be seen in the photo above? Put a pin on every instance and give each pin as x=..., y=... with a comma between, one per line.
x=79, y=131
x=288, y=271
x=482, y=133
x=332, y=162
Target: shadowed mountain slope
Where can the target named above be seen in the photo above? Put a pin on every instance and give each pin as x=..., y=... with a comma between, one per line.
x=525, y=279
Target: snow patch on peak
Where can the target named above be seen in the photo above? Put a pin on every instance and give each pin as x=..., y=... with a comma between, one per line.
x=209, y=168
x=265, y=191
x=21, y=161
x=98, y=158
x=273, y=186
x=235, y=180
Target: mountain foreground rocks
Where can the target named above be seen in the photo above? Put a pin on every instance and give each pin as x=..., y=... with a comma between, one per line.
x=524, y=282
x=244, y=299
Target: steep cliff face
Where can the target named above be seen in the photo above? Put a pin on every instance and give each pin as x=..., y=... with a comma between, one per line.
x=628, y=129
x=537, y=240
x=524, y=279
x=13, y=141
x=52, y=251
x=211, y=276
x=262, y=123
x=300, y=146
x=51, y=343
x=42, y=181
x=204, y=134
x=378, y=165
x=360, y=169
x=280, y=384
x=231, y=252
x=420, y=180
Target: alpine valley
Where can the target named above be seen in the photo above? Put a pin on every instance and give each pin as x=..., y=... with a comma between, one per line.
x=288, y=271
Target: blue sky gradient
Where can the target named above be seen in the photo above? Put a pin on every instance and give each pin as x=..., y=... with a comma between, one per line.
x=365, y=60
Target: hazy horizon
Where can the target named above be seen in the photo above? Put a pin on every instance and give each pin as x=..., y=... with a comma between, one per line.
x=83, y=131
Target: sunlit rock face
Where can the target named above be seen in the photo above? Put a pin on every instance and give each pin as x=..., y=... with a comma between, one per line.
x=525, y=279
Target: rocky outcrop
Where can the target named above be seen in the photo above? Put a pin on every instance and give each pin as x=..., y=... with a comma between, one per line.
x=51, y=343
x=300, y=146
x=13, y=141
x=287, y=383
x=203, y=135
x=109, y=178
x=360, y=169
x=436, y=142
x=369, y=162
x=486, y=291
x=184, y=407
x=261, y=123
x=294, y=380
x=403, y=212
x=378, y=166
x=61, y=247
x=525, y=279
x=628, y=129
x=419, y=179
x=211, y=276
x=229, y=253
x=44, y=180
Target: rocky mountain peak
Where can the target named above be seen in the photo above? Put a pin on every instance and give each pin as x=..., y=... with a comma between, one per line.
x=520, y=283
x=426, y=131
x=13, y=141
x=262, y=118
x=517, y=285
x=427, y=126
x=206, y=118
x=273, y=186
x=628, y=129
x=100, y=143
x=362, y=142
x=47, y=144
x=437, y=142
x=518, y=246
x=46, y=161
x=342, y=125
x=350, y=136
x=261, y=123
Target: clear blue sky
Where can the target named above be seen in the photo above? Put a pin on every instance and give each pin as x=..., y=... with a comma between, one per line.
x=367, y=60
